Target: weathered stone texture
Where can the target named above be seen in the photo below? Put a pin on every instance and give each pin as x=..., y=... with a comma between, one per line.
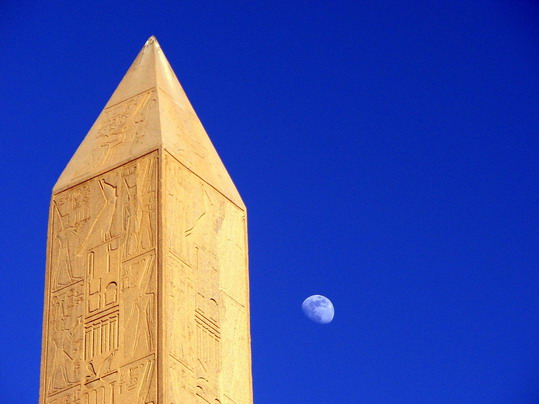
x=146, y=295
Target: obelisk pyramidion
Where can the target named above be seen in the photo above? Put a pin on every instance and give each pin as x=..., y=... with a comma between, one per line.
x=147, y=292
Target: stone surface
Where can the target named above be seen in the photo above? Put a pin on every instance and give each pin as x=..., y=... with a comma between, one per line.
x=146, y=295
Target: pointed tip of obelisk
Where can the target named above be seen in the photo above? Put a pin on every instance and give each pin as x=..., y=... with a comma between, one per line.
x=148, y=110
x=152, y=40
x=150, y=69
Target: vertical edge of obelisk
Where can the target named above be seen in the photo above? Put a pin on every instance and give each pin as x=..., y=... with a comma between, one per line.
x=160, y=352
x=248, y=300
x=46, y=289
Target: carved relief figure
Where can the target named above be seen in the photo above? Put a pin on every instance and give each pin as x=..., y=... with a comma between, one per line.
x=100, y=230
x=194, y=282
x=102, y=311
x=108, y=258
x=71, y=212
x=65, y=345
x=187, y=214
x=139, y=304
x=140, y=206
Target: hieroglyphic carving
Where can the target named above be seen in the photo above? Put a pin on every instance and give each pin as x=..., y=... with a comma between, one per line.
x=182, y=381
x=101, y=337
x=70, y=396
x=119, y=127
x=102, y=247
x=235, y=342
x=102, y=277
x=212, y=247
x=71, y=214
x=207, y=393
x=208, y=331
x=188, y=217
x=65, y=334
x=139, y=210
x=193, y=272
x=110, y=255
x=138, y=292
x=101, y=391
x=181, y=292
x=102, y=288
x=130, y=384
x=136, y=380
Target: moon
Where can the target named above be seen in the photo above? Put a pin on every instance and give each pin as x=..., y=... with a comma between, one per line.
x=319, y=309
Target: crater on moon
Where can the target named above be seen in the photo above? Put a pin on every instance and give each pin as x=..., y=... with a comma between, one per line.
x=319, y=309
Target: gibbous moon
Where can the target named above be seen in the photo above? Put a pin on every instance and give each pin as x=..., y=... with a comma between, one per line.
x=319, y=309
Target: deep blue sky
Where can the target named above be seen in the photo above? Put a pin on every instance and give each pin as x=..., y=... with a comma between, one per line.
x=386, y=150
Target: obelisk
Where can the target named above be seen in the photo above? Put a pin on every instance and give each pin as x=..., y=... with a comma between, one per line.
x=147, y=293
